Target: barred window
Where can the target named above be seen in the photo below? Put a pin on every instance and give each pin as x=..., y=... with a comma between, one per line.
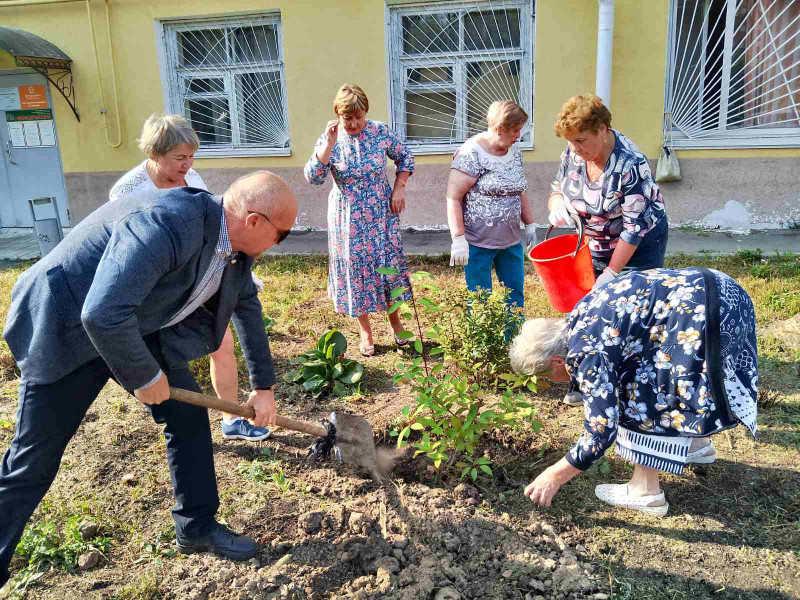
x=733, y=75
x=227, y=78
x=450, y=60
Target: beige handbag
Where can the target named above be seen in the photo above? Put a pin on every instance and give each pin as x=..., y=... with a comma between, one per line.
x=668, y=168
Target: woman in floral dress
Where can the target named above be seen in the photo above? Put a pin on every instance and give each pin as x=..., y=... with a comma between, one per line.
x=363, y=211
x=663, y=359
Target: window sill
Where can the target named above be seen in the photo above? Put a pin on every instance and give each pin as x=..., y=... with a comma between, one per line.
x=241, y=152
x=739, y=140
x=433, y=149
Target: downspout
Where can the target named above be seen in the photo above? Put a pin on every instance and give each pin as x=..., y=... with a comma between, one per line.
x=605, y=46
x=103, y=111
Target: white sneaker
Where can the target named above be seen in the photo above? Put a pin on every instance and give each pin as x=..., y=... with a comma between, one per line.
x=618, y=494
x=704, y=456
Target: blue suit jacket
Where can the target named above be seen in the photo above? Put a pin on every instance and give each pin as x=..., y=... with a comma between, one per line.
x=121, y=274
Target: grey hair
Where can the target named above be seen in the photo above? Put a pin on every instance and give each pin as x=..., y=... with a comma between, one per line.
x=538, y=342
x=161, y=133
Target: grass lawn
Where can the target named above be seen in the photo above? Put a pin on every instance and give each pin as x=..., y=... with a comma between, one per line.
x=733, y=530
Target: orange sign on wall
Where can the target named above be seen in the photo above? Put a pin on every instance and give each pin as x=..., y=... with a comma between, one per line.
x=32, y=97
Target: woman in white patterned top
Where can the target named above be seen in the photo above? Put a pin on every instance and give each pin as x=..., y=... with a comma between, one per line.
x=485, y=201
x=170, y=143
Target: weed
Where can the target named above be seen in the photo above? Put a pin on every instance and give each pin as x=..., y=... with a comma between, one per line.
x=749, y=256
x=280, y=481
x=145, y=589
x=43, y=546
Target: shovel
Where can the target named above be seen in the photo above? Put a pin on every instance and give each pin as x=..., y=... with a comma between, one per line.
x=351, y=436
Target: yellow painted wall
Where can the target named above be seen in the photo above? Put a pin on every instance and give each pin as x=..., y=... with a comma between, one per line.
x=328, y=43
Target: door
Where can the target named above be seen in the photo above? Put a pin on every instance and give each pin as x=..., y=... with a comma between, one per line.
x=31, y=165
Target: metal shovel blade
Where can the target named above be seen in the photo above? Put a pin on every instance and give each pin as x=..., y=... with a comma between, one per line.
x=355, y=442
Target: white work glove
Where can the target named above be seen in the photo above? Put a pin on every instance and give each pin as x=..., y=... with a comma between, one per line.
x=607, y=275
x=560, y=214
x=257, y=281
x=530, y=235
x=459, y=251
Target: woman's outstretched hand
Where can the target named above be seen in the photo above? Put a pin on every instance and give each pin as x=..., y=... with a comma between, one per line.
x=331, y=133
x=542, y=489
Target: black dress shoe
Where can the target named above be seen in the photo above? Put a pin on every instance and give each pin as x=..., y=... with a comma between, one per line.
x=219, y=540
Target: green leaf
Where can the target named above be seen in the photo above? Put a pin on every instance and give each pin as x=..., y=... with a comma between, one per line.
x=486, y=470
x=474, y=473
x=339, y=390
x=532, y=386
x=407, y=315
x=397, y=292
x=354, y=375
x=293, y=376
x=338, y=370
x=395, y=306
x=387, y=270
x=418, y=346
x=338, y=340
x=404, y=335
x=417, y=426
x=313, y=383
x=435, y=351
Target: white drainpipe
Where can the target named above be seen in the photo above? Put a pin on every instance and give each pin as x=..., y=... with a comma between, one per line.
x=605, y=45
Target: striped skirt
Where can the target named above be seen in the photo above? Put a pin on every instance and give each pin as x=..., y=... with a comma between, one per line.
x=661, y=452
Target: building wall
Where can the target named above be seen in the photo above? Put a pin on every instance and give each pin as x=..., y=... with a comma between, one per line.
x=328, y=43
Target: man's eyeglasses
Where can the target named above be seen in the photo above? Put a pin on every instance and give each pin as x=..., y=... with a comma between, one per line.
x=282, y=235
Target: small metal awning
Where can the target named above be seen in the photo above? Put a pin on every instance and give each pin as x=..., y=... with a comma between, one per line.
x=30, y=50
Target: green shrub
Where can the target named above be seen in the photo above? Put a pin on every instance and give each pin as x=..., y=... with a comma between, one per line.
x=453, y=411
x=324, y=368
x=475, y=330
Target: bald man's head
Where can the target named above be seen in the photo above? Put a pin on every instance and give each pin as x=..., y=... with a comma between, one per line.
x=252, y=197
x=263, y=192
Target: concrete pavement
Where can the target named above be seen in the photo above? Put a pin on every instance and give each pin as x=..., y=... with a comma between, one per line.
x=21, y=244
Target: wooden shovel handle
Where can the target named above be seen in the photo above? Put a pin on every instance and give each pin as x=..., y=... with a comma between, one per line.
x=243, y=410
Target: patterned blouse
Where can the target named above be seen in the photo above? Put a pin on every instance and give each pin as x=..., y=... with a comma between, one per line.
x=493, y=205
x=137, y=180
x=637, y=351
x=623, y=203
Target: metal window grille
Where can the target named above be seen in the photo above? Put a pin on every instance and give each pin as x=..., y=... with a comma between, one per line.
x=733, y=75
x=450, y=60
x=227, y=78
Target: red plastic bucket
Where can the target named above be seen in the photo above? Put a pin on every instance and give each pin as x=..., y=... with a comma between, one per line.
x=564, y=264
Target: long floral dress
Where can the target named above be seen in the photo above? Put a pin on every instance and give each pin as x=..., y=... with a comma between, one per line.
x=659, y=359
x=363, y=233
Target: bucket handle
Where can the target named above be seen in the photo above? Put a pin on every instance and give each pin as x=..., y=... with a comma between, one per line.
x=578, y=222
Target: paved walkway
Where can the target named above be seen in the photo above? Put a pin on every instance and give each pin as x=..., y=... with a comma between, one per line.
x=22, y=245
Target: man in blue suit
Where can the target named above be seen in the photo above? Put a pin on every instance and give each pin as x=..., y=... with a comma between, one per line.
x=133, y=293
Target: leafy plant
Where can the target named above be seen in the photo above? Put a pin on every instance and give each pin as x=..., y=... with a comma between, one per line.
x=470, y=467
x=477, y=330
x=324, y=368
x=280, y=481
x=42, y=546
x=452, y=412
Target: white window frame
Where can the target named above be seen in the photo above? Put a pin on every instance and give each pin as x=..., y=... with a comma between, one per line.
x=398, y=64
x=172, y=77
x=774, y=137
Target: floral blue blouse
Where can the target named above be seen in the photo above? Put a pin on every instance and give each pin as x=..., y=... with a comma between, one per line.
x=637, y=351
x=624, y=203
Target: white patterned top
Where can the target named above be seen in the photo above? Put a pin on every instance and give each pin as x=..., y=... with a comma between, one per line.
x=137, y=180
x=493, y=205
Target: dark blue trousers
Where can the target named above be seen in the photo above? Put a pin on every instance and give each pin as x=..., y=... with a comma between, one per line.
x=49, y=415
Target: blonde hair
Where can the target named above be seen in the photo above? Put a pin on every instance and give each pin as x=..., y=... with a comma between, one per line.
x=582, y=113
x=350, y=99
x=505, y=115
x=538, y=342
x=161, y=133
